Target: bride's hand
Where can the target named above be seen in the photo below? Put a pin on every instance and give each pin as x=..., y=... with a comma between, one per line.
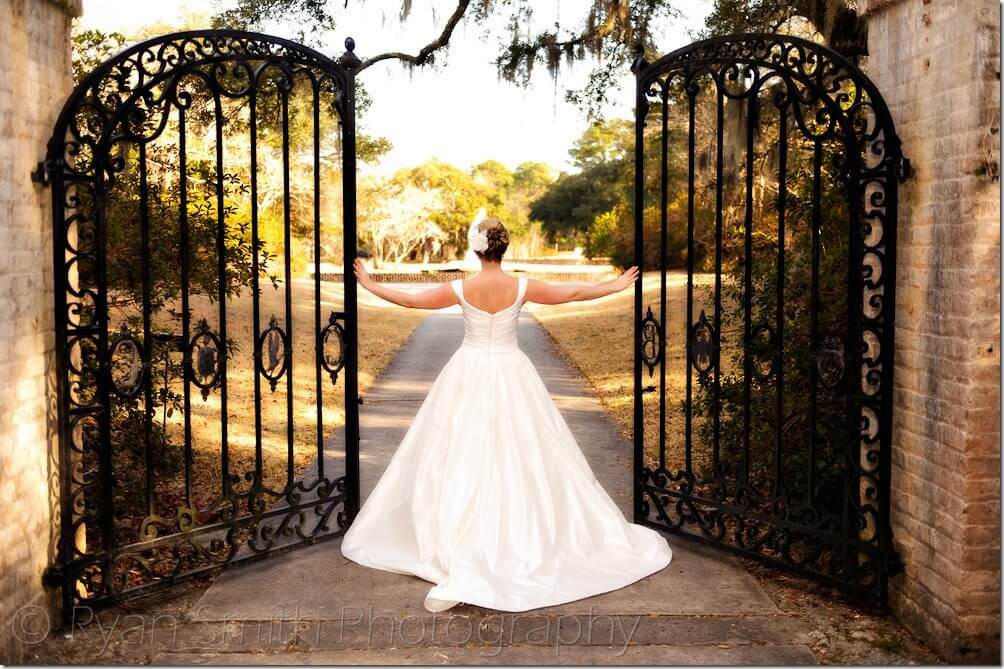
x=362, y=276
x=627, y=278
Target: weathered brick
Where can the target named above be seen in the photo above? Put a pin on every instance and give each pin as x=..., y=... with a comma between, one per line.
x=937, y=65
x=34, y=82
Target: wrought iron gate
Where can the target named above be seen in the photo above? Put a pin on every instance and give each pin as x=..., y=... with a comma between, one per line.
x=198, y=380
x=766, y=171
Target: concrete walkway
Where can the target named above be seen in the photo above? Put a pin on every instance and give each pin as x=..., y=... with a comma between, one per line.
x=703, y=609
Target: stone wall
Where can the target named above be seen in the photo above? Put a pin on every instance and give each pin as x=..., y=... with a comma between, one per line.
x=937, y=63
x=35, y=78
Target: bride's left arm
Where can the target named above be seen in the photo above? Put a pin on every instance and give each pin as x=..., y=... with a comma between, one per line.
x=552, y=293
x=433, y=298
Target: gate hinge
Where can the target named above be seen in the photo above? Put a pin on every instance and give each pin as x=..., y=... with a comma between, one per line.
x=42, y=174
x=53, y=576
x=904, y=170
x=894, y=563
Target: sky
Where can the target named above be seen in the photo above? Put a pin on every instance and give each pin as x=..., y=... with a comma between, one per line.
x=459, y=111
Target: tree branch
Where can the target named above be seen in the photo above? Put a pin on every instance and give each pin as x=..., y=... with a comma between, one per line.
x=425, y=53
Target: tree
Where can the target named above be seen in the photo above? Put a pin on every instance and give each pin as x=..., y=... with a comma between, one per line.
x=530, y=181
x=570, y=207
x=400, y=222
x=462, y=197
x=610, y=33
x=604, y=141
x=455, y=196
x=836, y=21
x=493, y=174
x=91, y=48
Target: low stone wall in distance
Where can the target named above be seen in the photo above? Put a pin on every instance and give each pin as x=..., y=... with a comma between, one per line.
x=439, y=276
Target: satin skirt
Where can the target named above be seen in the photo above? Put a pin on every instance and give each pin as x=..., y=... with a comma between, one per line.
x=489, y=497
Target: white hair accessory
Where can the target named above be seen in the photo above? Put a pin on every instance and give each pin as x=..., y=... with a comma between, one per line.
x=477, y=240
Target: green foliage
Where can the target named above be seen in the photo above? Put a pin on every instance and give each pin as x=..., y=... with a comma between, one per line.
x=602, y=234
x=91, y=48
x=567, y=210
x=451, y=200
x=462, y=196
x=604, y=141
x=611, y=33
x=593, y=207
x=834, y=22
x=799, y=354
x=607, y=32
x=569, y=207
x=371, y=149
x=125, y=268
x=310, y=19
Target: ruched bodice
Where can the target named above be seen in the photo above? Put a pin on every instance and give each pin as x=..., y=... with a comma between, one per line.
x=495, y=331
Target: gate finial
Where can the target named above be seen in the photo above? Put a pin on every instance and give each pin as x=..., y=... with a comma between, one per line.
x=639, y=63
x=349, y=60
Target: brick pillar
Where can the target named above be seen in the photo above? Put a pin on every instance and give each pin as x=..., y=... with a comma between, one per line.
x=35, y=79
x=937, y=63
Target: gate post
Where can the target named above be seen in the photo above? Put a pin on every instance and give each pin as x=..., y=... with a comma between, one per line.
x=350, y=62
x=945, y=510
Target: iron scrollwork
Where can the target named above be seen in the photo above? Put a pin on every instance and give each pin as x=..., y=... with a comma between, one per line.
x=826, y=105
x=830, y=362
x=99, y=152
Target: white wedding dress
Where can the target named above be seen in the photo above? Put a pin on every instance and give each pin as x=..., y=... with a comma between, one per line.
x=489, y=497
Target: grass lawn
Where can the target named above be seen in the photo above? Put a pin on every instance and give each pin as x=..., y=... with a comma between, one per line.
x=383, y=328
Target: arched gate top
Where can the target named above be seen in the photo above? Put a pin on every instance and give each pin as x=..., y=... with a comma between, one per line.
x=129, y=78
x=839, y=84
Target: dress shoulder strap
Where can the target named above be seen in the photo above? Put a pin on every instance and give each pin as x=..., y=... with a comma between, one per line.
x=458, y=288
x=521, y=289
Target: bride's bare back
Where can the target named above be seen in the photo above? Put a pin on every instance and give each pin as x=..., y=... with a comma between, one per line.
x=491, y=291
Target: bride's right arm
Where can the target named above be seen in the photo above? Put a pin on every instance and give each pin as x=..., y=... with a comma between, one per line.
x=433, y=298
x=549, y=293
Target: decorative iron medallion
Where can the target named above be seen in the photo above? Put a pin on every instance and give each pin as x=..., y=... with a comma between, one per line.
x=651, y=341
x=333, y=345
x=272, y=345
x=204, y=356
x=702, y=348
x=830, y=362
x=127, y=368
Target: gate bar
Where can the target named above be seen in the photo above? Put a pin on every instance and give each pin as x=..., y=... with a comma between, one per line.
x=641, y=107
x=350, y=62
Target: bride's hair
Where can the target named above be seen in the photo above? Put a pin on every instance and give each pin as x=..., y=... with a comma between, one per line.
x=498, y=239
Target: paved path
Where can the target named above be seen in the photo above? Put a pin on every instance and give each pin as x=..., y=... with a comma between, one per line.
x=703, y=609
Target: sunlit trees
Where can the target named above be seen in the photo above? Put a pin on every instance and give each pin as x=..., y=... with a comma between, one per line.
x=398, y=221
x=422, y=213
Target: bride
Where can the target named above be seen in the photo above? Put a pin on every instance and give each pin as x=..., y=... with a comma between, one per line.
x=489, y=496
